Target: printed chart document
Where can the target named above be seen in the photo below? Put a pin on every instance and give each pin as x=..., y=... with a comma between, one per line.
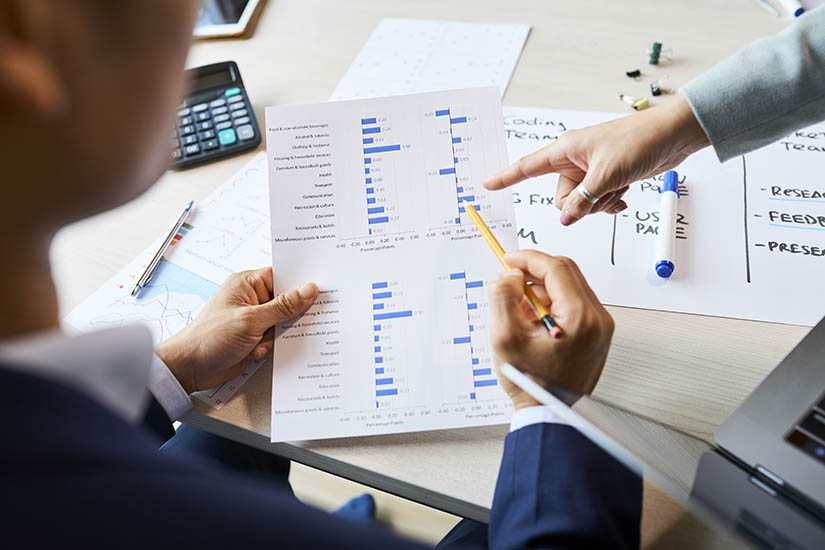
x=750, y=232
x=406, y=56
x=368, y=200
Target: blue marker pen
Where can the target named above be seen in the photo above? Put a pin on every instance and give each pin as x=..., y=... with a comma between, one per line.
x=666, y=240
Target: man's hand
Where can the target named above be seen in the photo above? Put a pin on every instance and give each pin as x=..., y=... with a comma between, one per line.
x=576, y=358
x=608, y=157
x=236, y=324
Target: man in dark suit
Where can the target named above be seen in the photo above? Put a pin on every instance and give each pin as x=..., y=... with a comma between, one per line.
x=88, y=90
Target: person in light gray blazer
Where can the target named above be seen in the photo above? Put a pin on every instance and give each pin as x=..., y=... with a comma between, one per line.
x=763, y=92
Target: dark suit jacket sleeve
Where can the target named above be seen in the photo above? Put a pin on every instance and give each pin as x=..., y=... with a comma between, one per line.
x=157, y=421
x=557, y=489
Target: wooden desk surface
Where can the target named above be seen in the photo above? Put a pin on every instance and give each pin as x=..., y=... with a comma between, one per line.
x=575, y=58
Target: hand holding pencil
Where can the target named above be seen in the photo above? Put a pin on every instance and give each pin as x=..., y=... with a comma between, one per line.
x=575, y=360
x=541, y=312
x=525, y=334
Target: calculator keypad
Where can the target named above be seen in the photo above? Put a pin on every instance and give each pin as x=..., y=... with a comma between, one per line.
x=212, y=126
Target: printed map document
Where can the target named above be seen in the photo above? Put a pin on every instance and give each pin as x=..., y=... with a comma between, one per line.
x=169, y=302
x=368, y=200
x=405, y=56
x=750, y=232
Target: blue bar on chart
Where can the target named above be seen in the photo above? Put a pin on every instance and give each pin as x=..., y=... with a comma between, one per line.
x=443, y=112
x=445, y=171
x=475, y=284
x=454, y=276
x=461, y=340
x=392, y=315
x=381, y=149
x=373, y=130
x=368, y=120
x=367, y=141
x=381, y=295
x=458, y=120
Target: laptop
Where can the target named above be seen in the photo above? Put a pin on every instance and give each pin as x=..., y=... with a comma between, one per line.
x=764, y=476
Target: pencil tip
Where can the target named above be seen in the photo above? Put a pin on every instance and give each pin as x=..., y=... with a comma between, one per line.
x=555, y=332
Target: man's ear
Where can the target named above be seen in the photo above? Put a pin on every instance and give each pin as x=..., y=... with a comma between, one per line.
x=29, y=81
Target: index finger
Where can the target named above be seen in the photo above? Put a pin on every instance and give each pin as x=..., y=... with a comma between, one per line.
x=535, y=164
x=561, y=276
x=264, y=274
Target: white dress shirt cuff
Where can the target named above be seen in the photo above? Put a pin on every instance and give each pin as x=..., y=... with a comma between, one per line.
x=167, y=390
x=534, y=415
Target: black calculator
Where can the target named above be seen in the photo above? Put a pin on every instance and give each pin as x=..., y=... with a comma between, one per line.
x=216, y=120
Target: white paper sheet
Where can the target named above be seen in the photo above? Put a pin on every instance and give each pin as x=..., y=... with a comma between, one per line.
x=230, y=229
x=367, y=201
x=404, y=56
x=166, y=305
x=733, y=221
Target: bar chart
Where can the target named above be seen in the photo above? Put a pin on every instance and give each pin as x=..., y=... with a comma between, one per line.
x=397, y=352
x=385, y=171
x=386, y=312
x=379, y=178
x=470, y=298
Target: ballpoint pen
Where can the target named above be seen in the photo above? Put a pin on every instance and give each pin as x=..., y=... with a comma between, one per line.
x=538, y=307
x=147, y=274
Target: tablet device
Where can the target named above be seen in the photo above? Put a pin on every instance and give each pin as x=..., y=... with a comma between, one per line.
x=226, y=18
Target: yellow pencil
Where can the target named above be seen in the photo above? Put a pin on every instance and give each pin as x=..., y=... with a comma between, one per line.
x=538, y=307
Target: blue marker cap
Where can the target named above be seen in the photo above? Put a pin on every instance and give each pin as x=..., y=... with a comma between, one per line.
x=799, y=11
x=664, y=269
x=671, y=182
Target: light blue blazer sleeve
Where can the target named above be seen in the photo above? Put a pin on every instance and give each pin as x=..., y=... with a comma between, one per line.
x=765, y=91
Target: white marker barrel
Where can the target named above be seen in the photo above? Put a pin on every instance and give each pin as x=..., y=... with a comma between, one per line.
x=666, y=239
x=793, y=7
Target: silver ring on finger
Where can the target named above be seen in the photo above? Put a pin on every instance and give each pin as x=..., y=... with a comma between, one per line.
x=588, y=196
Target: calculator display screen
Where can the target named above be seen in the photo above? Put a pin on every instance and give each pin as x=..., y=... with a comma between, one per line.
x=212, y=79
